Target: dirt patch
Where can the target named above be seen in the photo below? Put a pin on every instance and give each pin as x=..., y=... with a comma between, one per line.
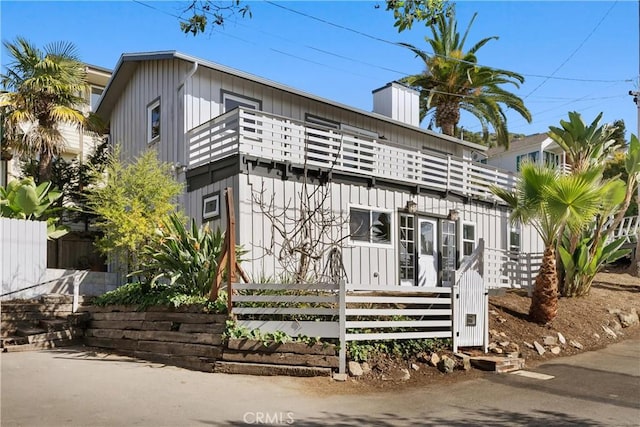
x=579, y=320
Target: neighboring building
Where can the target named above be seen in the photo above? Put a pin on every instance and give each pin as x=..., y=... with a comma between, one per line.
x=78, y=144
x=413, y=201
x=537, y=148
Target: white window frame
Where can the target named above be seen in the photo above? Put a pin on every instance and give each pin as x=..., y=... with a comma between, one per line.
x=370, y=243
x=463, y=240
x=207, y=199
x=152, y=106
x=517, y=227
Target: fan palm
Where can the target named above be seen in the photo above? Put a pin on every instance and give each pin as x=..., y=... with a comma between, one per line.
x=453, y=81
x=551, y=202
x=42, y=89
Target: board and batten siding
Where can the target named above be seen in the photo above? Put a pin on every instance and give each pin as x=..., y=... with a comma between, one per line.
x=203, y=102
x=366, y=264
x=23, y=257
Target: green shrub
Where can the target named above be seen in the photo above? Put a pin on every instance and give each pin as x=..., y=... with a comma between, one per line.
x=146, y=295
x=186, y=257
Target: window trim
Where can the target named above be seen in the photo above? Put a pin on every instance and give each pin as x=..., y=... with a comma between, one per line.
x=225, y=94
x=369, y=243
x=150, y=107
x=463, y=240
x=206, y=199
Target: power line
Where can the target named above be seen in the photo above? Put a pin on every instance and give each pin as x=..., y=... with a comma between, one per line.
x=574, y=52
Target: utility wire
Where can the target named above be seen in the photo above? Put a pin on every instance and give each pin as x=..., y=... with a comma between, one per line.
x=572, y=54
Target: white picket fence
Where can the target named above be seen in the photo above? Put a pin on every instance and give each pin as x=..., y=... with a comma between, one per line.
x=369, y=313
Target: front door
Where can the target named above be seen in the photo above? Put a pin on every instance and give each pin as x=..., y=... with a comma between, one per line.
x=427, y=252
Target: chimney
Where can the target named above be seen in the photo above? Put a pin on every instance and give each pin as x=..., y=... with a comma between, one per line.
x=399, y=102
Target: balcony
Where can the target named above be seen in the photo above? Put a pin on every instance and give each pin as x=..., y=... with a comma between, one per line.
x=280, y=139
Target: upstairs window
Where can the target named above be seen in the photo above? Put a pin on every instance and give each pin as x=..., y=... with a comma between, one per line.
x=515, y=233
x=468, y=239
x=370, y=226
x=531, y=157
x=153, y=121
x=94, y=96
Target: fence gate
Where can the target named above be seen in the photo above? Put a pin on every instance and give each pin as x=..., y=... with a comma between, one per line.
x=470, y=303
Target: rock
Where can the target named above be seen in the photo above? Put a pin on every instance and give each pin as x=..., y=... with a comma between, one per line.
x=549, y=340
x=614, y=311
x=415, y=367
x=576, y=344
x=561, y=338
x=628, y=319
x=446, y=365
x=366, y=368
x=609, y=332
x=404, y=375
x=504, y=343
x=514, y=347
x=596, y=335
x=501, y=319
x=340, y=377
x=493, y=333
x=355, y=370
x=528, y=345
x=555, y=350
x=615, y=325
x=539, y=348
x=492, y=345
x=495, y=313
x=466, y=361
x=502, y=334
x=497, y=350
x=423, y=357
x=434, y=359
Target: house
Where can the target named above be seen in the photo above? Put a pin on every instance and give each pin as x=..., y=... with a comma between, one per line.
x=538, y=148
x=78, y=144
x=407, y=204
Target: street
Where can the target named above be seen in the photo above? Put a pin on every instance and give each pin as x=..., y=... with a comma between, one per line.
x=75, y=387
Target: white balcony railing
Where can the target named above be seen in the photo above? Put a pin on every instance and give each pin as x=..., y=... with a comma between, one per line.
x=279, y=139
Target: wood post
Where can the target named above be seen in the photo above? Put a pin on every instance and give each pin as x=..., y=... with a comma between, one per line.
x=228, y=256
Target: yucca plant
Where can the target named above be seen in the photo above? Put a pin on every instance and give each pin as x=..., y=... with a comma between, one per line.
x=185, y=256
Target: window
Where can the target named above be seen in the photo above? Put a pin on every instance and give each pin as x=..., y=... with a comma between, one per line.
x=370, y=226
x=231, y=101
x=530, y=157
x=468, y=239
x=211, y=206
x=94, y=97
x=407, y=250
x=153, y=120
x=551, y=159
x=515, y=232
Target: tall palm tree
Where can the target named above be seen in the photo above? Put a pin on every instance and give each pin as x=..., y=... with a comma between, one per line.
x=41, y=90
x=551, y=202
x=453, y=81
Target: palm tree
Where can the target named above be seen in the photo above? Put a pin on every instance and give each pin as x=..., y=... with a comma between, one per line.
x=551, y=202
x=453, y=81
x=41, y=90
x=585, y=146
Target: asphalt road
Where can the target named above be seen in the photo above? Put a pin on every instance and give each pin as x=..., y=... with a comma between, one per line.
x=77, y=388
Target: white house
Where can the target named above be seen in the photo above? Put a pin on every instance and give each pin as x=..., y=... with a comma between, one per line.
x=537, y=148
x=412, y=202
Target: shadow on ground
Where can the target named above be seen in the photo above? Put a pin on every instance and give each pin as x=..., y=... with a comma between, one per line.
x=490, y=416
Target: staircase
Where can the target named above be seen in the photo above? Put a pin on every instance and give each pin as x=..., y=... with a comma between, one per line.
x=41, y=323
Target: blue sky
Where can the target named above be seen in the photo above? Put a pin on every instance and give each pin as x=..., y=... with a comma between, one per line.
x=578, y=55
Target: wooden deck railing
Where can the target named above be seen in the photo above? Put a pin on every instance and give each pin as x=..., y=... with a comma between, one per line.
x=279, y=139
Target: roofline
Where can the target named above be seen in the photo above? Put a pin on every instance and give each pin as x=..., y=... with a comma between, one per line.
x=172, y=54
x=99, y=68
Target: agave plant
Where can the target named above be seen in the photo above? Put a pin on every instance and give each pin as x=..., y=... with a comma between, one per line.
x=184, y=256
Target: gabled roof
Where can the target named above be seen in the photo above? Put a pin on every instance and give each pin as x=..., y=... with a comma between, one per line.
x=517, y=144
x=128, y=63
